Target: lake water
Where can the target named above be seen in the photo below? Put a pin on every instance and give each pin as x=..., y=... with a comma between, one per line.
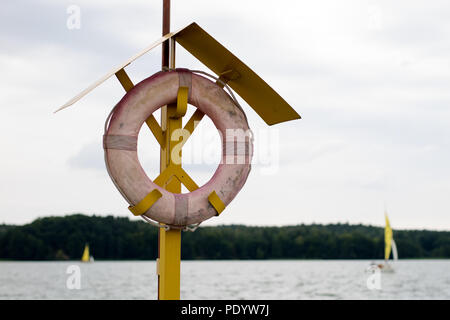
x=273, y=279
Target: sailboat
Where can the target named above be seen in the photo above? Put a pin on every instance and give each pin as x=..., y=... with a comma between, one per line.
x=389, y=246
x=86, y=257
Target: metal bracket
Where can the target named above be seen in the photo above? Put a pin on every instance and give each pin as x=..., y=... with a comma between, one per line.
x=177, y=172
x=155, y=129
x=226, y=76
x=216, y=202
x=182, y=102
x=145, y=203
x=124, y=80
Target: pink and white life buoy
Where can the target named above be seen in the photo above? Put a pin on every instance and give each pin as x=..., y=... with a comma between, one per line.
x=121, y=138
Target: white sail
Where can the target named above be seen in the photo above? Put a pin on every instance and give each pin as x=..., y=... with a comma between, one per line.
x=394, y=250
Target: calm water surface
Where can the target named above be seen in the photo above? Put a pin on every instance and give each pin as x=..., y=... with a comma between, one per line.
x=273, y=279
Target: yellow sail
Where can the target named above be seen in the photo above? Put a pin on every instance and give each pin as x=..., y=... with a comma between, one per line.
x=387, y=238
x=85, y=257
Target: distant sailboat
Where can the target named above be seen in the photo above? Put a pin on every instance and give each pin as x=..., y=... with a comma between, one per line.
x=389, y=245
x=86, y=257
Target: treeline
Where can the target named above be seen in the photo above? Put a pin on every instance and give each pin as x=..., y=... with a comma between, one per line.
x=60, y=238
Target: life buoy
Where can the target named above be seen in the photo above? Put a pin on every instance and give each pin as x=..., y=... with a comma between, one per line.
x=121, y=137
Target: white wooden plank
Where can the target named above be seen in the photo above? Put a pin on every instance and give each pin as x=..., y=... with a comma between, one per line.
x=113, y=71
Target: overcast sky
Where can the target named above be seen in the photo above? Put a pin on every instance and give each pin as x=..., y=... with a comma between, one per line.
x=370, y=78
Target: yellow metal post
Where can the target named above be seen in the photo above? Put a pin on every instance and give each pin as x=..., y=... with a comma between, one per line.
x=169, y=246
x=169, y=240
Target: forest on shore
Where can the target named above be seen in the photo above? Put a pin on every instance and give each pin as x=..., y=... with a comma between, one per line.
x=117, y=238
